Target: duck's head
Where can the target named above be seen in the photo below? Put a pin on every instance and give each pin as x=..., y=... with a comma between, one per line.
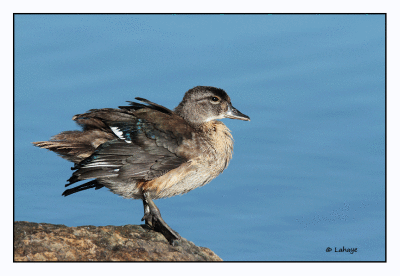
x=202, y=104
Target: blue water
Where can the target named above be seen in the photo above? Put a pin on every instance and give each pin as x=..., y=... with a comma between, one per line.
x=308, y=170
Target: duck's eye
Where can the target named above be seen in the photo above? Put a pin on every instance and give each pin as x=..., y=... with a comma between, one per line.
x=214, y=100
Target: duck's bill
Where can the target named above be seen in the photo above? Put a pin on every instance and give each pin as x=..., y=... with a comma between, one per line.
x=233, y=113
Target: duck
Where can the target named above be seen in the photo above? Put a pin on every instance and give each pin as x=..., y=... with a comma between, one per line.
x=146, y=151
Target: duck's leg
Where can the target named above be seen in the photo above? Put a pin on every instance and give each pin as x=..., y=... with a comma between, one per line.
x=153, y=219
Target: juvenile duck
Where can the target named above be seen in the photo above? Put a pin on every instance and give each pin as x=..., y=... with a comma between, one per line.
x=147, y=151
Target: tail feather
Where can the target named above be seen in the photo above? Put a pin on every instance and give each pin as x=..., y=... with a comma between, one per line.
x=88, y=185
x=75, y=146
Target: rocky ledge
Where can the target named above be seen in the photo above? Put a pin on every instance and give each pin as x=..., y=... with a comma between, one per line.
x=50, y=242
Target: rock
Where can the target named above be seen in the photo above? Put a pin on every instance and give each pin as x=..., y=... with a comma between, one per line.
x=50, y=242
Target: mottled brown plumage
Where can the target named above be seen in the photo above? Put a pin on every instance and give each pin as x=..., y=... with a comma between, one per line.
x=148, y=151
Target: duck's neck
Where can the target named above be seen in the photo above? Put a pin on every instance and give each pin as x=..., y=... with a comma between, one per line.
x=220, y=137
x=193, y=118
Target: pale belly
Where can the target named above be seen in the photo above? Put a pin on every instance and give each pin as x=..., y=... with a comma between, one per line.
x=176, y=182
